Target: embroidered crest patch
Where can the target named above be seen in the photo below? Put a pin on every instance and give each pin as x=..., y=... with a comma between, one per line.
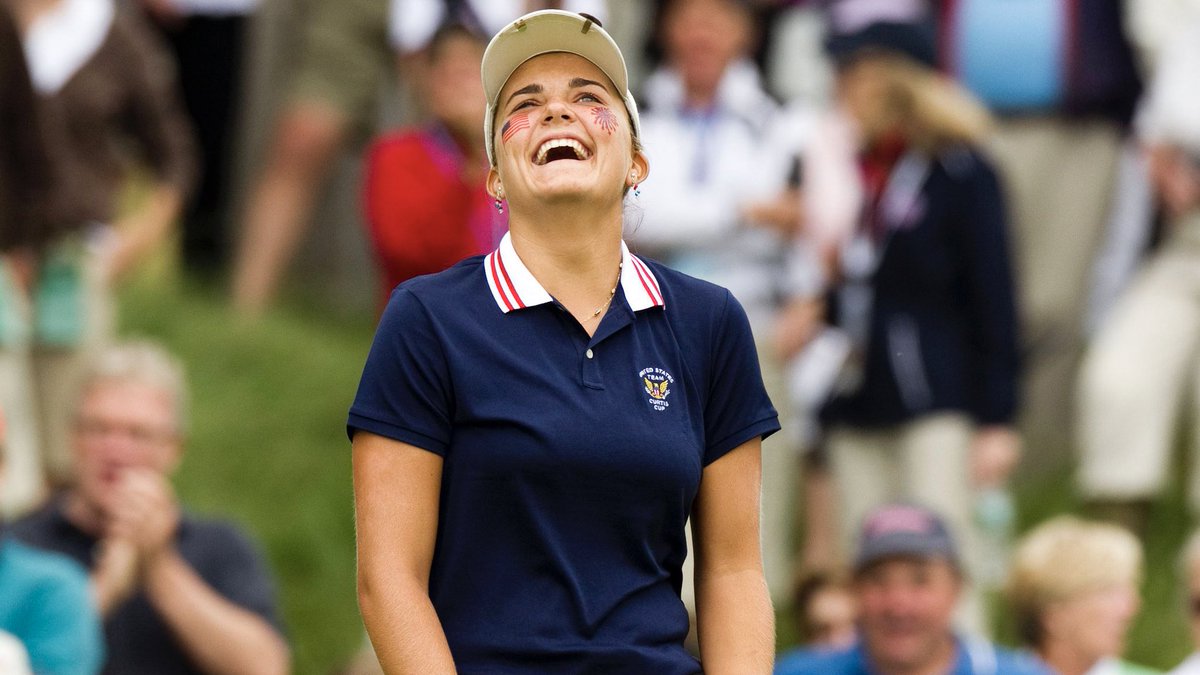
x=656, y=382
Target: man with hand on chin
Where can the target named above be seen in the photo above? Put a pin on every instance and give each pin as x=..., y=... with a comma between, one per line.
x=178, y=594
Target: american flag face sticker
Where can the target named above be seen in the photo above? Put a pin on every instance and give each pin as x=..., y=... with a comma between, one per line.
x=605, y=119
x=512, y=125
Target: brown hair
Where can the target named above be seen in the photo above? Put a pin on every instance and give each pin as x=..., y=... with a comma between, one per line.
x=806, y=589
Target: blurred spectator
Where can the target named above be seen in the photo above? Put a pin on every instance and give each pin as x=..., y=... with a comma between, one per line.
x=345, y=57
x=25, y=181
x=107, y=100
x=825, y=611
x=1074, y=591
x=46, y=608
x=178, y=594
x=716, y=207
x=1189, y=568
x=1138, y=374
x=208, y=40
x=797, y=67
x=908, y=576
x=1061, y=77
x=426, y=205
x=340, y=69
x=926, y=399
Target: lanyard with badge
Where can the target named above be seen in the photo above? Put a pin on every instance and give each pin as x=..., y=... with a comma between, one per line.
x=862, y=253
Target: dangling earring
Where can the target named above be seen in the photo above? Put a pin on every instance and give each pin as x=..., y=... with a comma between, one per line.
x=636, y=191
x=499, y=202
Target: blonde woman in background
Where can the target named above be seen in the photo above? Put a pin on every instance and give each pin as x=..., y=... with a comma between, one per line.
x=1074, y=591
x=910, y=215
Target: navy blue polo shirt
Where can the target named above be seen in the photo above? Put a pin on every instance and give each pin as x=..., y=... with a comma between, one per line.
x=570, y=462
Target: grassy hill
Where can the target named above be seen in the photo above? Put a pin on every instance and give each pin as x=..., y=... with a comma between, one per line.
x=268, y=448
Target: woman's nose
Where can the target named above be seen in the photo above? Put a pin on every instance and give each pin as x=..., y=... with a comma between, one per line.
x=557, y=111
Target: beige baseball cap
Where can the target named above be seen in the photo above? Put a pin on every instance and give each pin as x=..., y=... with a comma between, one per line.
x=544, y=32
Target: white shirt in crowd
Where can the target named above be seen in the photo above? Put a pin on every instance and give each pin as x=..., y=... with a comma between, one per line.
x=705, y=168
x=411, y=23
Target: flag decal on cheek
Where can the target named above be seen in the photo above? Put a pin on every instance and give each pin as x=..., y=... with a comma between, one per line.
x=605, y=119
x=512, y=126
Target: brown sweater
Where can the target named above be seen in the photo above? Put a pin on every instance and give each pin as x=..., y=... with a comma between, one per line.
x=24, y=168
x=121, y=107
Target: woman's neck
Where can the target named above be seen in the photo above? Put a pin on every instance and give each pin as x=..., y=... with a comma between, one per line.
x=574, y=254
x=1066, y=660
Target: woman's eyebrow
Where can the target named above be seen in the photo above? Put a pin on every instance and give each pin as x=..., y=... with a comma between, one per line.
x=584, y=82
x=527, y=89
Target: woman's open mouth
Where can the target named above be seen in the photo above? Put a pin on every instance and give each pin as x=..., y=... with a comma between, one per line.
x=560, y=148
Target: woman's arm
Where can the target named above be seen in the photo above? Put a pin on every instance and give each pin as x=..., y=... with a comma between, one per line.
x=736, y=624
x=396, y=490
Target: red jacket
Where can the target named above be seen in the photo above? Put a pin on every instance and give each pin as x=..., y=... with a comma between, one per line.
x=422, y=215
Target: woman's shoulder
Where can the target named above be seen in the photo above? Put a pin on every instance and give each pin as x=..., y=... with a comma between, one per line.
x=684, y=289
x=456, y=283
x=693, y=303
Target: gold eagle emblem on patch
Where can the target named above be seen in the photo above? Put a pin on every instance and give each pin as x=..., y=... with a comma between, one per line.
x=656, y=390
x=657, y=383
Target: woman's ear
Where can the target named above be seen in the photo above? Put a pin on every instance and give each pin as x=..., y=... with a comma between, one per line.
x=638, y=171
x=494, y=187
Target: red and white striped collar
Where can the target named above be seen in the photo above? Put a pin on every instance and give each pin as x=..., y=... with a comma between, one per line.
x=514, y=287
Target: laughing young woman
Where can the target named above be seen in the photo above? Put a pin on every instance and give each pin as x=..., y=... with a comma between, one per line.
x=534, y=427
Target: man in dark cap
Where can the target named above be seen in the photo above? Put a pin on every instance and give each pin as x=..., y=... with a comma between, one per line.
x=907, y=579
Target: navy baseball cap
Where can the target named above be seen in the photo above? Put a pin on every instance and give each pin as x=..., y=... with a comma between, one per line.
x=899, y=26
x=913, y=40
x=904, y=531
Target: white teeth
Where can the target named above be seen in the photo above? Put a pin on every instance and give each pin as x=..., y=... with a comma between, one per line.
x=580, y=151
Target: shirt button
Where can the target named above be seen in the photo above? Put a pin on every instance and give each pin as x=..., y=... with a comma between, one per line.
x=589, y=353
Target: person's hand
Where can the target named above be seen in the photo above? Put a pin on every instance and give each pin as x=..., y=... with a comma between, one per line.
x=22, y=265
x=995, y=451
x=783, y=214
x=796, y=325
x=117, y=255
x=145, y=513
x=1177, y=179
x=115, y=575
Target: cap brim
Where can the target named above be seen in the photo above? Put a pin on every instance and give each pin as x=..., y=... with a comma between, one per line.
x=546, y=32
x=905, y=545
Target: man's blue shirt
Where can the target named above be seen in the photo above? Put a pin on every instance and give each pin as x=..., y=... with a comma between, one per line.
x=972, y=657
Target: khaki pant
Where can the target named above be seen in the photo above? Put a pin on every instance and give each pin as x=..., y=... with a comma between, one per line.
x=926, y=461
x=38, y=386
x=1138, y=374
x=1058, y=176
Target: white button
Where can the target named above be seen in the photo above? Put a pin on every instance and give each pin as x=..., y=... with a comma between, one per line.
x=589, y=353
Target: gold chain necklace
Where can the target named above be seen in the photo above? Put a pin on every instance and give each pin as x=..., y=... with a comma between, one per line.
x=611, y=294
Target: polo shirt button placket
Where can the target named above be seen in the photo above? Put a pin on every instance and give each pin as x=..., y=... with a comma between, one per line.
x=590, y=370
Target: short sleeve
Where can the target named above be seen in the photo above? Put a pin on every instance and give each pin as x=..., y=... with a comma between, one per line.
x=243, y=577
x=405, y=392
x=738, y=408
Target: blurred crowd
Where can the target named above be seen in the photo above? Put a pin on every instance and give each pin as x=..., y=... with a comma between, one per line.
x=963, y=231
